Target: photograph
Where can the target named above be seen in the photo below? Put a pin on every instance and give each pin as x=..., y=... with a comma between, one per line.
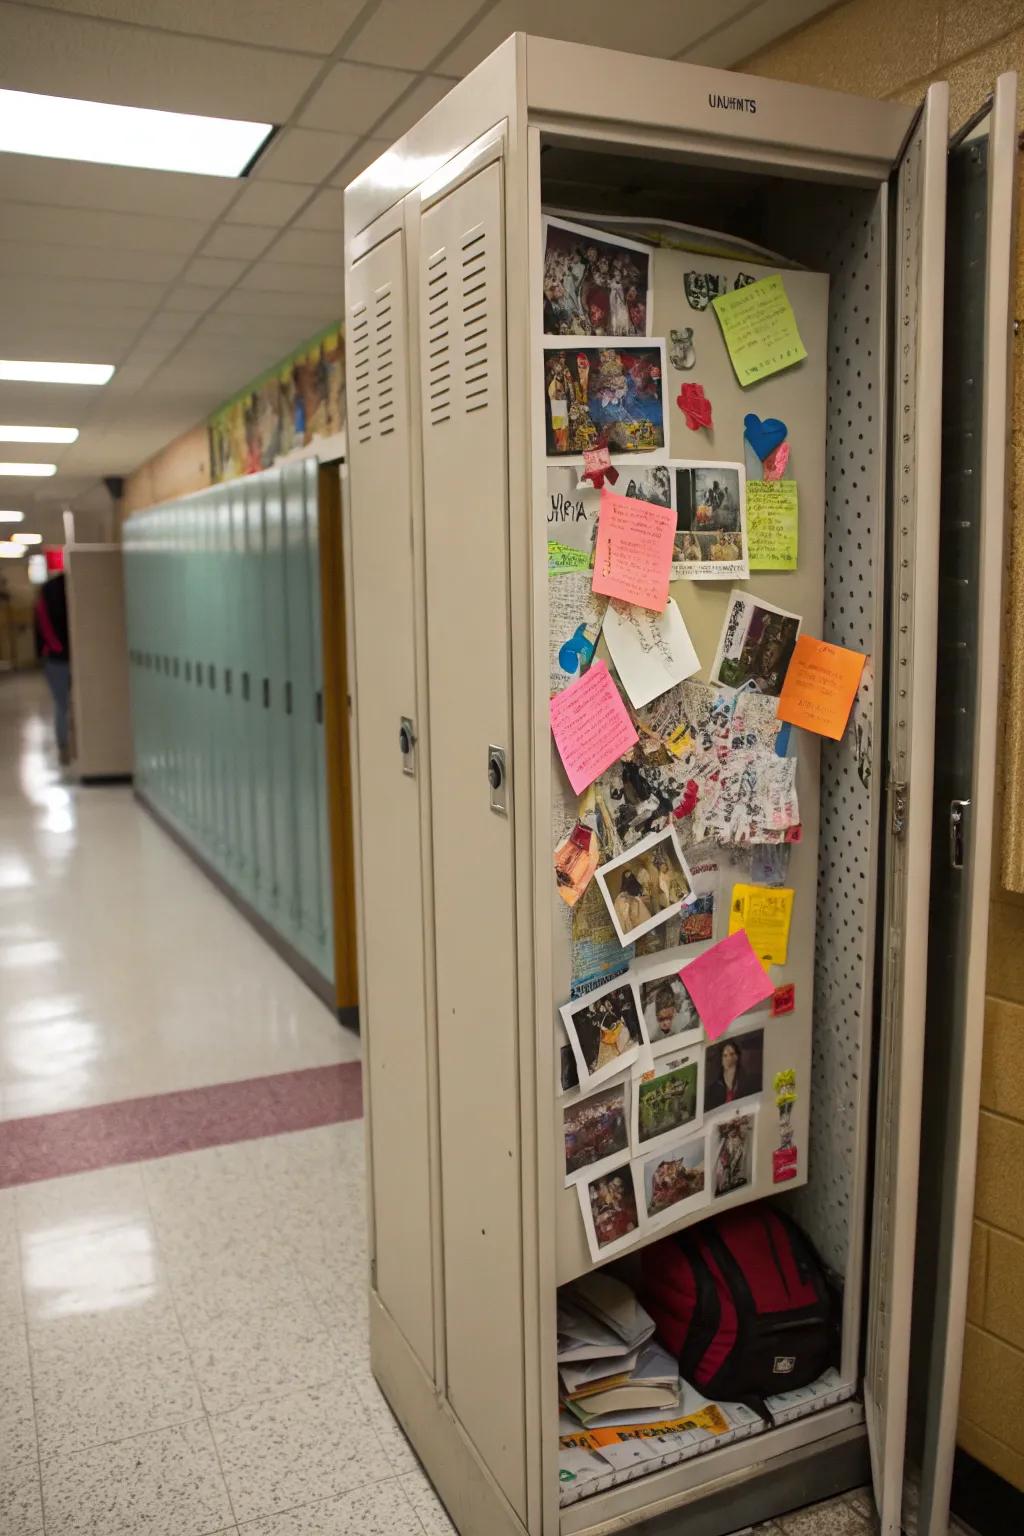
x=730, y=1154
x=667, y=1100
x=669, y=1015
x=605, y=1029
x=604, y=397
x=711, y=522
x=646, y=885
x=672, y=1181
x=568, y=1072
x=594, y=285
x=756, y=644
x=733, y=1069
x=695, y=924
x=609, y=1208
x=595, y=1131
x=653, y=484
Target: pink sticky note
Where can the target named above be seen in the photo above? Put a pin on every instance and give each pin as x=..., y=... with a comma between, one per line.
x=725, y=981
x=633, y=558
x=591, y=726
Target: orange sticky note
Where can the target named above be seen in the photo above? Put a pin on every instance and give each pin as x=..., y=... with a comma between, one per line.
x=820, y=687
x=633, y=557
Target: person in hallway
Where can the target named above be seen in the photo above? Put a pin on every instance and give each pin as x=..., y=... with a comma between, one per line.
x=54, y=646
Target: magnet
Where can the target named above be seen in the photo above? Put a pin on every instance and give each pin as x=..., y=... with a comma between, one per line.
x=784, y=1164
x=764, y=436
x=783, y=999
x=743, y=280
x=776, y=462
x=695, y=406
x=682, y=354
x=577, y=651
x=701, y=287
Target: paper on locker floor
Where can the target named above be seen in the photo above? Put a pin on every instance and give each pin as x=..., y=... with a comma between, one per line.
x=651, y=651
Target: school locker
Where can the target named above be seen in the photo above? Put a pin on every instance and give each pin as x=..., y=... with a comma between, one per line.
x=447, y=590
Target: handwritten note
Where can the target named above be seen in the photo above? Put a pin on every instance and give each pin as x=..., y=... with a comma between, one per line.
x=651, y=651
x=633, y=559
x=724, y=982
x=773, y=519
x=591, y=727
x=764, y=914
x=820, y=687
x=760, y=329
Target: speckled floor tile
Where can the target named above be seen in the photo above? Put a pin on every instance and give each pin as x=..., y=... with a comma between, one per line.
x=429, y=1510
x=293, y=1450
x=10, y=1255
x=380, y=1510
x=21, y=1508
x=387, y=1428
x=248, y=1355
x=835, y=1518
x=164, y=1484
x=82, y=1199
x=100, y=1377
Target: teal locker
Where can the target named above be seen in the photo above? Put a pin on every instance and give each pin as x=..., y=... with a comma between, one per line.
x=276, y=689
x=320, y=746
x=236, y=709
x=256, y=670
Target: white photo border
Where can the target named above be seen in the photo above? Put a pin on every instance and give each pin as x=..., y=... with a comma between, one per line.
x=672, y=1213
x=706, y=570
x=637, y=849
x=599, y=1253
x=636, y=1053
x=661, y=1067
x=604, y=1164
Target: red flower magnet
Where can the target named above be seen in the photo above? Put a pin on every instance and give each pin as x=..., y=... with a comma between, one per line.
x=695, y=406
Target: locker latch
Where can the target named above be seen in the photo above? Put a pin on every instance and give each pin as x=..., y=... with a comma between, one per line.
x=497, y=779
x=957, y=816
x=900, y=805
x=407, y=746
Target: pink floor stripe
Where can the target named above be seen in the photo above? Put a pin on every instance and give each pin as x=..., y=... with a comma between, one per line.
x=79, y=1140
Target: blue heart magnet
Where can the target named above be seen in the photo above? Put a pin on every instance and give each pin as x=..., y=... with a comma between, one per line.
x=764, y=436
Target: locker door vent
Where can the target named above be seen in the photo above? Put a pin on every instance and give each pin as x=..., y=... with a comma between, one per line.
x=439, y=358
x=385, y=388
x=476, y=284
x=361, y=354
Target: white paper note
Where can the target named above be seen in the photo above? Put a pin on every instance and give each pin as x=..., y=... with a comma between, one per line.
x=651, y=651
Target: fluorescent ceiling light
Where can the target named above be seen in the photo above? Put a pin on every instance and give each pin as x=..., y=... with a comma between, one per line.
x=54, y=373
x=28, y=469
x=26, y=538
x=38, y=434
x=11, y=551
x=12, y=517
x=64, y=128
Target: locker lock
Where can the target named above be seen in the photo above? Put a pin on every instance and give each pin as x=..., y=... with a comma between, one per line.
x=407, y=745
x=497, y=779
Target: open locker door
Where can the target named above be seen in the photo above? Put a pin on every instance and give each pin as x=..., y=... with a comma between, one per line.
x=976, y=393
x=919, y=207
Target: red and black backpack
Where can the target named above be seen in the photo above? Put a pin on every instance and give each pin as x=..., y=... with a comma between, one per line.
x=742, y=1302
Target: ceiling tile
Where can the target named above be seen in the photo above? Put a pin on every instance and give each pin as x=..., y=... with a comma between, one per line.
x=169, y=323
x=75, y=184
x=493, y=28
x=426, y=93
x=104, y=229
x=267, y=202
x=214, y=271
x=326, y=211
x=308, y=310
x=408, y=34
x=74, y=56
x=39, y=260
x=354, y=96
x=284, y=277
x=85, y=292
x=360, y=158
x=245, y=240
x=304, y=155
x=277, y=23
x=311, y=245
x=190, y=299
x=723, y=46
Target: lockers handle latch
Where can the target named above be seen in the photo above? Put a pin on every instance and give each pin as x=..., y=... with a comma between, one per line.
x=957, y=816
x=497, y=779
x=407, y=745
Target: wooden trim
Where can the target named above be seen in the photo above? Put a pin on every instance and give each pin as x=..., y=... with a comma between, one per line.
x=336, y=736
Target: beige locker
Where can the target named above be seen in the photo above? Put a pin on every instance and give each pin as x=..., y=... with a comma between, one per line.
x=100, y=694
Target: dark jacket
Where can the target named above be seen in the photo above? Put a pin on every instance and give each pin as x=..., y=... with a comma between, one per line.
x=51, y=616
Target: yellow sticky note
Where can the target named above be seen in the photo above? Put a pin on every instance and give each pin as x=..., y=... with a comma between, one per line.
x=764, y=911
x=760, y=329
x=773, y=520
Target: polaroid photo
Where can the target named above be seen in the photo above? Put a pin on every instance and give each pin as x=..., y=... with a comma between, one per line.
x=645, y=886
x=711, y=521
x=672, y=1182
x=755, y=646
x=597, y=395
x=668, y=1100
x=595, y=284
x=670, y=1018
x=606, y=1030
x=595, y=1132
x=733, y=1070
x=608, y=1206
x=731, y=1154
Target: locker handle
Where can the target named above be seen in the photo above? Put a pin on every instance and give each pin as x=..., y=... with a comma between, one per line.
x=199, y=674
x=957, y=815
x=245, y=687
x=319, y=706
x=266, y=693
x=288, y=697
x=227, y=680
x=211, y=675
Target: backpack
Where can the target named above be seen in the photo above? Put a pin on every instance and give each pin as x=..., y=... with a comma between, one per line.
x=742, y=1302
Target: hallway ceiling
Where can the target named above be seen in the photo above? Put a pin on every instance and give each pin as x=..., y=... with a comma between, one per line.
x=192, y=285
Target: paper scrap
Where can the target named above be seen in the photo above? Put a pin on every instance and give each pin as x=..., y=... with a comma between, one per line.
x=784, y=1164
x=633, y=559
x=774, y=466
x=576, y=859
x=575, y=616
x=651, y=651
x=760, y=329
x=597, y=467
x=572, y=510
x=784, y=1000
x=773, y=518
x=695, y=406
x=820, y=687
x=764, y=912
x=725, y=981
x=591, y=726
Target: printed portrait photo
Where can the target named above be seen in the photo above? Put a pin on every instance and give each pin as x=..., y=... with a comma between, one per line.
x=733, y=1069
x=645, y=886
x=605, y=1030
x=667, y=1007
x=600, y=396
x=731, y=1154
x=595, y=1129
x=594, y=285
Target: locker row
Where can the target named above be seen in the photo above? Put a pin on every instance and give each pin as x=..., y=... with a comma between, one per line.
x=226, y=662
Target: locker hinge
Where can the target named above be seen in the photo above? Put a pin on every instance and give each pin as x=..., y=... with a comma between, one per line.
x=899, y=801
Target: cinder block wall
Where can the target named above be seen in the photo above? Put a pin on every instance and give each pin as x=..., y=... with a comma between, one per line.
x=893, y=48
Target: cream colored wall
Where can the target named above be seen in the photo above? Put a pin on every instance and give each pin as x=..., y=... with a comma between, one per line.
x=177, y=470
x=893, y=48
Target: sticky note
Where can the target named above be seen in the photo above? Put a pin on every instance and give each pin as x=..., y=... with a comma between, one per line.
x=724, y=982
x=760, y=329
x=591, y=726
x=820, y=687
x=562, y=557
x=773, y=519
x=651, y=651
x=633, y=558
x=764, y=913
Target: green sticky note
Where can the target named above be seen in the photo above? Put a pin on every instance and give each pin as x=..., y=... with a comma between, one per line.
x=773, y=519
x=563, y=557
x=760, y=329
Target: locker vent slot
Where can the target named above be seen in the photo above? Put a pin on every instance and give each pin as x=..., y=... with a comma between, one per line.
x=384, y=362
x=363, y=409
x=476, y=370
x=439, y=358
